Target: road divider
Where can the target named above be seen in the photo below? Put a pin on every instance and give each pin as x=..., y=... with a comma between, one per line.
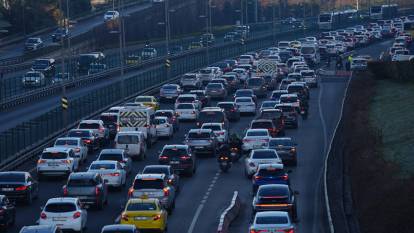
x=229, y=214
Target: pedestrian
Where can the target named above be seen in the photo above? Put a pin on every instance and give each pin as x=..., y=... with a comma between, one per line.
x=348, y=63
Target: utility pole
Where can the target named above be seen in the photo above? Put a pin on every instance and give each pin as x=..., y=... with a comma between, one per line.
x=121, y=46
x=68, y=38
x=64, y=99
x=167, y=38
x=274, y=21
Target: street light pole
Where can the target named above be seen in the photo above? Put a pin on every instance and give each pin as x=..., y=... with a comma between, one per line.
x=274, y=21
x=121, y=47
x=68, y=37
x=167, y=38
x=63, y=84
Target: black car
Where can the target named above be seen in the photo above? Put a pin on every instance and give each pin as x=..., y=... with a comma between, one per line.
x=231, y=110
x=87, y=136
x=89, y=187
x=110, y=121
x=18, y=186
x=285, y=148
x=180, y=157
x=7, y=212
x=275, y=197
x=201, y=95
x=59, y=34
x=168, y=170
x=41, y=229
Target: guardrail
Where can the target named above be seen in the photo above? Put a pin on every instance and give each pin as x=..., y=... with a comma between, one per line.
x=229, y=214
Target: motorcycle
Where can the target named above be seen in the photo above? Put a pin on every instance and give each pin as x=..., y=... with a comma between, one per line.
x=234, y=153
x=225, y=163
x=304, y=113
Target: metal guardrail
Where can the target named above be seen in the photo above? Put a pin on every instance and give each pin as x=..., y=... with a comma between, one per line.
x=229, y=214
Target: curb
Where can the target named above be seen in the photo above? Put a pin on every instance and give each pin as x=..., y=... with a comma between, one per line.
x=229, y=214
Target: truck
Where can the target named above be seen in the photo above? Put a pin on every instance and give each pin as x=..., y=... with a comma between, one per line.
x=138, y=118
x=310, y=52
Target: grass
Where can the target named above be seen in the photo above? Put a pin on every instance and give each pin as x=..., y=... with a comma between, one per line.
x=392, y=113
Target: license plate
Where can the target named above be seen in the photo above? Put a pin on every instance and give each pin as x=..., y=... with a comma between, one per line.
x=141, y=218
x=174, y=162
x=52, y=164
x=7, y=189
x=169, y=97
x=199, y=147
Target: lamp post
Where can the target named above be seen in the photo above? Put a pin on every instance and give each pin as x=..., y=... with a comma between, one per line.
x=121, y=32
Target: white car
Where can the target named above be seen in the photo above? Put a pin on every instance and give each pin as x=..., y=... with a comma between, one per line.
x=246, y=105
x=188, y=98
x=260, y=156
x=111, y=15
x=206, y=75
x=163, y=127
x=255, y=139
x=77, y=144
x=292, y=99
x=242, y=73
x=119, y=155
x=133, y=142
x=272, y=221
x=187, y=111
x=111, y=171
x=65, y=212
x=268, y=104
x=359, y=64
x=57, y=161
x=98, y=128
x=219, y=131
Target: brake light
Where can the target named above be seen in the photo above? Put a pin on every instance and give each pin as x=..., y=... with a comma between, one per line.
x=220, y=133
x=170, y=181
x=97, y=191
x=284, y=177
x=117, y=128
x=258, y=231
x=156, y=217
x=76, y=215
x=21, y=188
x=101, y=129
x=40, y=161
x=293, y=150
x=166, y=192
x=130, y=191
x=115, y=174
x=257, y=177
x=124, y=217
x=185, y=157
x=163, y=157
x=290, y=230
x=67, y=161
x=43, y=215
x=65, y=191
x=87, y=141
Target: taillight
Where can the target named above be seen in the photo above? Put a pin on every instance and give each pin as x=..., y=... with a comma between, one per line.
x=156, y=217
x=284, y=177
x=43, y=215
x=124, y=217
x=40, y=161
x=87, y=141
x=185, y=157
x=293, y=150
x=130, y=192
x=117, y=127
x=97, y=191
x=115, y=174
x=257, y=177
x=163, y=157
x=101, y=129
x=290, y=230
x=21, y=188
x=166, y=192
x=76, y=215
x=65, y=191
x=67, y=161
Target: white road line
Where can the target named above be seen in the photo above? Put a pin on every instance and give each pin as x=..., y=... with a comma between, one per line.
x=203, y=201
x=325, y=135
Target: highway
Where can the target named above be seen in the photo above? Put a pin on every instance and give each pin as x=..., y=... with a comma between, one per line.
x=79, y=28
x=197, y=207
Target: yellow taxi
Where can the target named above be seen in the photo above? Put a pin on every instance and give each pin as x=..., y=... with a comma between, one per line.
x=145, y=213
x=149, y=101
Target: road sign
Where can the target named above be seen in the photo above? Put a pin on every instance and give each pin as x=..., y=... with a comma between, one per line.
x=65, y=103
x=167, y=63
x=267, y=66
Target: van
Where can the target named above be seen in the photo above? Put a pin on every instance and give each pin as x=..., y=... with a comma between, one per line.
x=133, y=142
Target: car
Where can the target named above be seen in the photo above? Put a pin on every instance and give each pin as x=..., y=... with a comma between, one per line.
x=44, y=65
x=245, y=93
x=265, y=124
x=168, y=170
x=33, y=79
x=224, y=66
x=255, y=139
x=269, y=174
x=233, y=82
x=188, y=98
x=272, y=221
x=149, y=101
x=110, y=120
x=207, y=39
x=285, y=82
x=268, y=104
x=19, y=186
x=170, y=92
x=7, y=212
x=119, y=155
x=33, y=43
x=61, y=33
x=220, y=81
x=258, y=85
x=290, y=114
x=202, y=141
x=133, y=142
x=163, y=127
x=212, y=115
x=88, y=137
x=221, y=133
x=145, y=214
x=299, y=88
x=190, y=81
x=202, y=97
x=260, y=156
x=187, y=111
x=179, y=157
x=359, y=64
x=275, y=96
x=98, y=128
x=309, y=77
x=124, y=228
x=41, y=229
x=171, y=116
x=61, y=78
x=291, y=99
x=206, y=75
x=111, y=15
x=286, y=149
x=79, y=147
x=111, y=171
x=65, y=212
x=230, y=109
x=276, y=197
x=242, y=74
x=57, y=161
x=246, y=105
x=276, y=115
x=154, y=186
x=90, y=188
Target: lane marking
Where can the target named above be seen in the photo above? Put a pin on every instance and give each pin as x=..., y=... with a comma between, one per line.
x=203, y=201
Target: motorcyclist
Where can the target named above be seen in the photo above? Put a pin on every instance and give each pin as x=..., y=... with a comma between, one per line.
x=304, y=106
x=224, y=151
x=235, y=141
x=339, y=62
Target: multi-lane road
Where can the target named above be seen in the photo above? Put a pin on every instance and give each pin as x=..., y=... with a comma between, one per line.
x=204, y=196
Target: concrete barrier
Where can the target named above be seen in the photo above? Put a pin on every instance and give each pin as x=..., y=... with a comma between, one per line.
x=229, y=214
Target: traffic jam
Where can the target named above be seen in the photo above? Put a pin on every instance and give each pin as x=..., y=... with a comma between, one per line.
x=271, y=88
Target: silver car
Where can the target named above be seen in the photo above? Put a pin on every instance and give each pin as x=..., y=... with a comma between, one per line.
x=170, y=91
x=190, y=81
x=272, y=221
x=116, y=155
x=216, y=90
x=111, y=171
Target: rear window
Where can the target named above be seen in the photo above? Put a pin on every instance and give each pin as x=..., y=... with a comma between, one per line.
x=261, y=125
x=276, y=142
x=12, y=177
x=205, y=72
x=214, y=86
x=166, y=114
x=270, y=172
x=174, y=152
x=185, y=106
x=294, y=88
x=148, y=184
x=78, y=134
x=54, y=155
x=110, y=156
x=246, y=93
x=264, y=154
x=127, y=139
x=60, y=207
x=257, y=133
x=225, y=106
x=88, y=126
x=277, y=95
x=212, y=127
x=211, y=116
x=82, y=182
x=286, y=108
x=269, y=104
x=272, y=191
x=288, y=99
x=109, y=119
x=160, y=121
x=185, y=99
x=169, y=87
x=244, y=100
x=102, y=166
x=198, y=135
x=141, y=206
x=228, y=77
x=64, y=142
x=156, y=170
x=271, y=114
x=272, y=220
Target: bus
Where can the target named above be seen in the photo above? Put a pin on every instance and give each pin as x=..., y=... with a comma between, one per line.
x=335, y=20
x=383, y=11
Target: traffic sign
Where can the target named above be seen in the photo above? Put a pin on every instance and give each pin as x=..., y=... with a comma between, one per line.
x=267, y=66
x=167, y=63
x=65, y=103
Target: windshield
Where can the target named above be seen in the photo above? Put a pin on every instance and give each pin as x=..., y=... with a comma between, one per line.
x=187, y=99
x=148, y=184
x=272, y=220
x=159, y=121
x=141, y=207
x=268, y=104
x=264, y=154
x=270, y=171
x=257, y=133
x=12, y=177
x=169, y=87
x=110, y=156
x=272, y=191
x=66, y=142
x=271, y=114
x=211, y=116
x=185, y=106
x=109, y=119
x=54, y=155
x=174, y=152
x=261, y=125
x=88, y=126
x=60, y=207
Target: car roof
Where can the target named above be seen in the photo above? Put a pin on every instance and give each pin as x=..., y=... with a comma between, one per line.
x=200, y=131
x=129, y=132
x=272, y=213
x=39, y=229
x=104, y=162
x=115, y=227
x=158, y=166
x=68, y=138
x=253, y=130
